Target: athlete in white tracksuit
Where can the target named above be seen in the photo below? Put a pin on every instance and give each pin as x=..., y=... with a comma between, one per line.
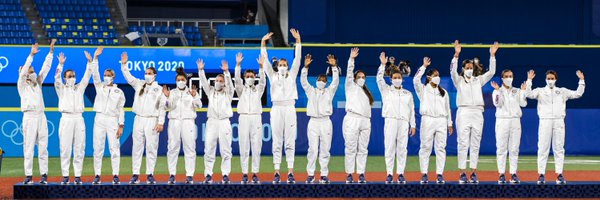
x=399, y=114
x=218, y=126
x=149, y=109
x=109, y=121
x=551, y=109
x=357, y=122
x=469, y=117
x=182, y=103
x=250, y=127
x=508, y=101
x=72, y=127
x=320, y=129
x=283, y=113
x=35, y=125
x=436, y=120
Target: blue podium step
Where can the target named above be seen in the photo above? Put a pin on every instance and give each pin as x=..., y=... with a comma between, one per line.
x=302, y=190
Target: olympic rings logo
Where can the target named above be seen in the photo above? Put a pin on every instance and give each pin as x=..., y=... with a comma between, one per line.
x=11, y=129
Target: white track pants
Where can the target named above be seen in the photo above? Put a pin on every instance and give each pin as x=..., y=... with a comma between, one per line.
x=182, y=131
x=218, y=131
x=283, y=124
x=250, y=134
x=434, y=131
x=71, y=133
x=551, y=131
x=395, y=133
x=508, y=139
x=144, y=136
x=319, y=134
x=357, y=131
x=469, y=122
x=106, y=127
x=35, y=132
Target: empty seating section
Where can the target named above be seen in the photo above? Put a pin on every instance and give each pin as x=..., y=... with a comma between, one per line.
x=78, y=22
x=192, y=33
x=243, y=33
x=14, y=26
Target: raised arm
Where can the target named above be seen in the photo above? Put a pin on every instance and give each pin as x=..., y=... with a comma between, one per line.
x=580, y=88
x=523, y=95
x=86, y=76
x=380, y=71
x=262, y=81
x=203, y=81
x=532, y=94
x=350, y=70
x=486, y=77
x=58, y=85
x=304, y=76
x=417, y=79
x=47, y=64
x=297, y=54
x=335, y=73
x=497, y=95
x=263, y=53
x=134, y=82
x=24, y=70
x=96, y=70
x=228, y=80
x=239, y=84
x=454, y=64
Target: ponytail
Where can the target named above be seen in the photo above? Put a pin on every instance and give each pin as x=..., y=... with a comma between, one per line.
x=366, y=89
x=144, y=87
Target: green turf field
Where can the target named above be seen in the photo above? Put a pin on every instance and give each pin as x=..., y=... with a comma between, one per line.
x=13, y=167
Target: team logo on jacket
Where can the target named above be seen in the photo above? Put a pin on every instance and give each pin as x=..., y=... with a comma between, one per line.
x=514, y=91
x=557, y=92
x=155, y=89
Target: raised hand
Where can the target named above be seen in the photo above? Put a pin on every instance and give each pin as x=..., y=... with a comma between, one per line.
x=194, y=91
x=354, y=52
x=531, y=74
x=267, y=36
x=295, y=34
x=88, y=56
x=52, y=42
x=200, y=64
x=495, y=85
x=307, y=60
x=260, y=60
x=331, y=60
x=494, y=49
x=457, y=48
x=580, y=75
x=166, y=90
x=224, y=65
x=62, y=58
x=382, y=58
x=426, y=61
x=124, y=58
x=238, y=58
x=35, y=48
x=98, y=52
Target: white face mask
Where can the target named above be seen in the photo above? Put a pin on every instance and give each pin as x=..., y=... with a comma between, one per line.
x=249, y=81
x=360, y=82
x=397, y=82
x=181, y=85
x=468, y=72
x=219, y=86
x=108, y=80
x=321, y=84
x=32, y=77
x=70, y=81
x=149, y=78
x=282, y=70
x=435, y=80
x=507, y=81
x=551, y=83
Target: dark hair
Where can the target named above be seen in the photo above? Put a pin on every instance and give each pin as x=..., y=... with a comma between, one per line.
x=395, y=71
x=403, y=66
x=464, y=63
x=504, y=71
x=144, y=87
x=65, y=72
x=553, y=73
x=249, y=71
x=180, y=72
x=283, y=59
x=365, y=88
x=322, y=76
x=429, y=74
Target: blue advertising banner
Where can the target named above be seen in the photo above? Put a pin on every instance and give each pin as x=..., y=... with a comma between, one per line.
x=165, y=60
